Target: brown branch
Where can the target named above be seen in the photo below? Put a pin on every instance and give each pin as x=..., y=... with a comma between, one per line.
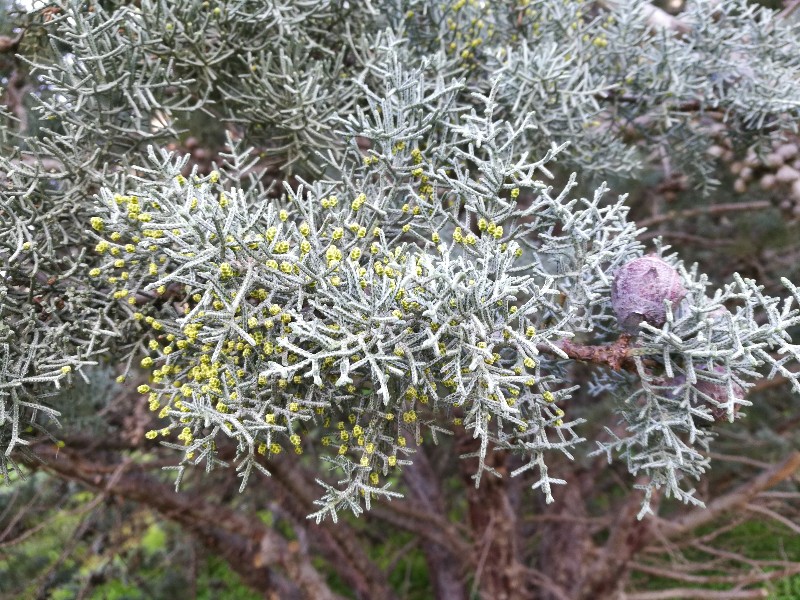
x=339, y=539
x=572, y=538
x=744, y=460
x=732, y=500
x=655, y=17
x=566, y=518
x=697, y=594
x=9, y=44
x=493, y=521
x=620, y=355
x=702, y=541
x=617, y=355
x=432, y=528
x=765, y=384
x=728, y=556
x=780, y=495
x=774, y=516
x=338, y=542
x=789, y=9
x=714, y=209
x=697, y=240
x=627, y=536
x=450, y=560
x=14, y=97
x=545, y=582
x=263, y=559
x=738, y=580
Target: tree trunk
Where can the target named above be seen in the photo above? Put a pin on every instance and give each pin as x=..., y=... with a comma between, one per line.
x=608, y=572
x=499, y=574
x=446, y=570
x=565, y=549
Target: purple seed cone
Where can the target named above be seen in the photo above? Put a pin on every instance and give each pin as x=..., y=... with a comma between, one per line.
x=716, y=391
x=719, y=393
x=639, y=290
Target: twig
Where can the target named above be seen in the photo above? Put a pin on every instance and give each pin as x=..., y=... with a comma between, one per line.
x=542, y=580
x=655, y=17
x=697, y=240
x=696, y=594
x=789, y=9
x=616, y=355
x=734, y=499
x=9, y=44
x=765, y=384
x=774, y=516
x=745, y=460
x=714, y=209
x=219, y=528
x=759, y=577
x=486, y=544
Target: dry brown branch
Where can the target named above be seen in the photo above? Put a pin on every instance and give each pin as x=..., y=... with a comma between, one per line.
x=656, y=17
x=780, y=495
x=735, y=557
x=744, y=460
x=717, y=531
x=627, y=536
x=765, y=384
x=339, y=541
x=738, y=497
x=738, y=579
x=789, y=9
x=9, y=44
x=261, y=557
x=14, y=97
x=542, y=581
x=616, y=355
x=689, y=238
x=774, y=516
x=696, y=594
x=713, y=210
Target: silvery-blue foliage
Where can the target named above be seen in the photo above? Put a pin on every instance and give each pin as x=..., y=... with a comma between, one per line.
x=424, y=267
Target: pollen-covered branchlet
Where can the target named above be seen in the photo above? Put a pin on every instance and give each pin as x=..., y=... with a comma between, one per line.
x=640, y=288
